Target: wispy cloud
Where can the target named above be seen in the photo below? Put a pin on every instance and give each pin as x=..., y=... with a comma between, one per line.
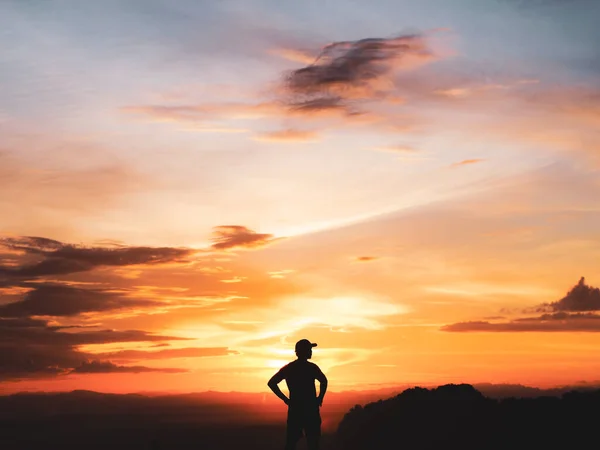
x=226, y=237
x=61, y=258
x=33, y=348
x=401, y=149
x=467, y=162
x=280, y=273
x=170, y=353
x=233, y=280
x=51, y=299
x=109, y=367
x=288, y=135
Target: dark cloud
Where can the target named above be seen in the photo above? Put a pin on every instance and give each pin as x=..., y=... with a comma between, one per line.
x=322, y=105
x=58, y=258
x=31, y=348
x=28, y=331
x=60, y=300
x=580, y=298
x=351, y=70
x=189, y=352
x=227, y=237
x=108, y=367
x=32, y=289
x=574, y=312
x=32, y=244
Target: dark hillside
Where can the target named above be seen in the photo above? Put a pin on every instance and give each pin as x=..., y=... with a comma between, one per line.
x=460, y=417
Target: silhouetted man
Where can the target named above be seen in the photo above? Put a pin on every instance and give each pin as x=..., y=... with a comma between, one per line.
x=303, y=404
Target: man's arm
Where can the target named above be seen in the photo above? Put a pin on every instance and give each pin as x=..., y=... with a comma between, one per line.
x=274, y=385
x=322, y=385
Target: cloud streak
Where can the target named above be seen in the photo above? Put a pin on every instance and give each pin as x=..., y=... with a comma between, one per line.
x=108, y=367
x=228, y=237
x=171, y=353
x=32, y=348
x=58, y=258
x=566, y=323
x=56, y=300
x=288, y=135
x=467, y=162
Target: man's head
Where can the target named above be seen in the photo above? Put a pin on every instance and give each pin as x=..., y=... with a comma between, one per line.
x=304, y=348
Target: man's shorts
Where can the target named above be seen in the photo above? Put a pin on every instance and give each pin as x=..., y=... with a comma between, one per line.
x=303, y=420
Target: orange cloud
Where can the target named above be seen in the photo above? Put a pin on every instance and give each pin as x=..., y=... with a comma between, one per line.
x=90, y=367
x=234, y=280
x=289, y=135
x=171, y=353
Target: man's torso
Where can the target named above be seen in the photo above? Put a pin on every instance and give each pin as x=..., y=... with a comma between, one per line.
x=300, y=378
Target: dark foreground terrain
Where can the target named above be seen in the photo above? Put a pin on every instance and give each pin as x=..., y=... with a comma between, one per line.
x=460, y=417
x=448, y=417
x=94, y=421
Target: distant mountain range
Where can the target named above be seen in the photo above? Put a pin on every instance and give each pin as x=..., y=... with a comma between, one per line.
x=40, y=404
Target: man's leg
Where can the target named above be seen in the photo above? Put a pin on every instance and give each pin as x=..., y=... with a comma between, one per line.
x=293, y=431
x=313, y=430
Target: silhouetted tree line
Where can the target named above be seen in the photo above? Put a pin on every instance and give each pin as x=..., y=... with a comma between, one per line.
x=460, y=417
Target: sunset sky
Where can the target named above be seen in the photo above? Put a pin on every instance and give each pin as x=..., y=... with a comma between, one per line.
x=189, y=187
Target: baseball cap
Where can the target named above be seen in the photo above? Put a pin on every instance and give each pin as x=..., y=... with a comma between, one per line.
x=304, y=344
